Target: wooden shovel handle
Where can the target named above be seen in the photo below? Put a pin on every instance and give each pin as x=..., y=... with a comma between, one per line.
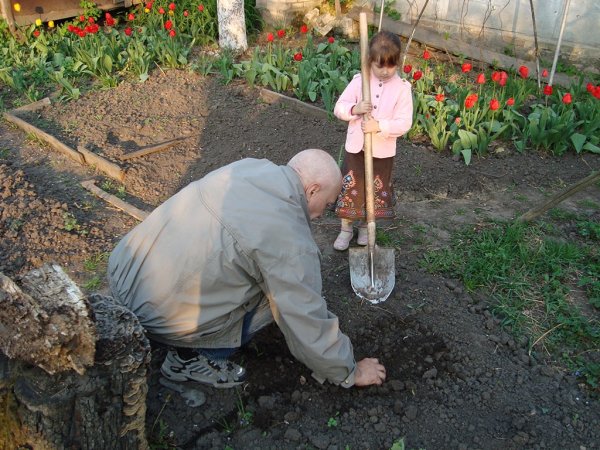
x=365, y=70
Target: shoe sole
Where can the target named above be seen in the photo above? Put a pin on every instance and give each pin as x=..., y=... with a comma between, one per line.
x=185, y=379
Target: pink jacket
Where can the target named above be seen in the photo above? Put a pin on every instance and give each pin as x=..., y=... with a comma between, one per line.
x=392, y=108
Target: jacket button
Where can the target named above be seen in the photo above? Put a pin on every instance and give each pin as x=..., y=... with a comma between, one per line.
x=380, y=84
x=377, y=96
x=374, y=106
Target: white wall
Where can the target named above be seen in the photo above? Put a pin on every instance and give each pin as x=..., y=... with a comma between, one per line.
x=507, y=24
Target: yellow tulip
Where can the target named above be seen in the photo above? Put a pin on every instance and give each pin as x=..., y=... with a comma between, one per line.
x=38, y=22
x=171, y=12
x=17, y=7
x=51, y=24
x=146, y=10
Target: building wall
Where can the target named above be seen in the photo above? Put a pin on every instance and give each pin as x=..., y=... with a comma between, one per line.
x=281, y=12
x=506, y=25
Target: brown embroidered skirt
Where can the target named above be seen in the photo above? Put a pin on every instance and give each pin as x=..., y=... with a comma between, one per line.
x=351, y=201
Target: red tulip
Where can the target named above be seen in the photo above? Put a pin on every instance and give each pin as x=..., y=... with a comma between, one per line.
x=407, y=68
x=523, y=71
x=545, y=73
x=466, y=67
x=110, y=22
x=590, y=87
x=270, y=37
x=172, y=6
x=548, y=89
x=494, y=104
x=480, y=78
x=172, y=33
x=36, y=33
x=82, y=18
x=503, y=78
x=331, y=40
x=510, y=101
x=161, y=10
x=280, y=33
x=303, y=29
x=596, y=92
x=91, y=20
x=471, y=100
x=567, y=99
x=457, y=121
x=417, y=75
x=128, y=31
x=168, y=25
x=185, y=13
x=200, y=7
x=298, y=56
x=426, y=55
x=130, y=17
x=439, y=97
x=496, y=76
x=81, y=33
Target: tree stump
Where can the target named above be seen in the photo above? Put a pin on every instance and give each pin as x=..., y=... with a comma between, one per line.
x=72, y=369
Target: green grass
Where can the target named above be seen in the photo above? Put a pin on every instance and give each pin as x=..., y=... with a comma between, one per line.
x=533, y=275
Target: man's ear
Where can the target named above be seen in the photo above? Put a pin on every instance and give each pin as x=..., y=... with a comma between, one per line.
x=312, y=189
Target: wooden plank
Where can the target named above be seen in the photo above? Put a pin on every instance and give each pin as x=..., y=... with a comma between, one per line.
x=35, y=105
x=115, y=201
x=561, y=196
x=154, y=148
x=297, y=105
x=111, y=169
x=42, y=135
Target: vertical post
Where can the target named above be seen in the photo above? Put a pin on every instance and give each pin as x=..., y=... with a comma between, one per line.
x=560, y=35
x=7, y=12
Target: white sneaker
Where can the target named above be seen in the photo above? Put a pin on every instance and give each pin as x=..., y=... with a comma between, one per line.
x=342, y=242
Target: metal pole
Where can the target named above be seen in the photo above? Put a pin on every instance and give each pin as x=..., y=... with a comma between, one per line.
x=412, y=34
x=537, y=48
x=381, y=14
x=560, y=35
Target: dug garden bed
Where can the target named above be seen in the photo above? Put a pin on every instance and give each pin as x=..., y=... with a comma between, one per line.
x=456, y=378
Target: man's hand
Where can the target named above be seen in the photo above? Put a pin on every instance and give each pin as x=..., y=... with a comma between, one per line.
x=362, y=107
x=368, y=372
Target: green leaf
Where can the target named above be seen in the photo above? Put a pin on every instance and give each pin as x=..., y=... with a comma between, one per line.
x=591, y=148
x=107, y=63
x=578, y=141
x=467, y=155
x=467, y=139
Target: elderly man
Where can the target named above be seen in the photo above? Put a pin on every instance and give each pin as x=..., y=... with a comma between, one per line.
x=229, y=254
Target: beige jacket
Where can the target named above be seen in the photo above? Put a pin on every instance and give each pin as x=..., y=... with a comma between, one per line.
x=192, y=269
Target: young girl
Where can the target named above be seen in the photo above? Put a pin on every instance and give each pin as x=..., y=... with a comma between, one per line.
x=387, y=116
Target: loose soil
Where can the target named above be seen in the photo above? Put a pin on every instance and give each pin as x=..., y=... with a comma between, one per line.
x=456, y=380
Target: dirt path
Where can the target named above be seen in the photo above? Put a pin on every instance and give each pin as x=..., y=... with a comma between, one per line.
x=455, y=379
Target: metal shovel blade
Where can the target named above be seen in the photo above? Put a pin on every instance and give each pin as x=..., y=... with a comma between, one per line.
x=372, y=276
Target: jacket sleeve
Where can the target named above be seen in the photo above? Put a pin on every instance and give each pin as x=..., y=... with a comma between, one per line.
x=402, y=117
x=349, y=98
x=311, y=331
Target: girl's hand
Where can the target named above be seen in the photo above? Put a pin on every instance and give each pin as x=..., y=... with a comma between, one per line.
x=370, y=125
x=362, y=107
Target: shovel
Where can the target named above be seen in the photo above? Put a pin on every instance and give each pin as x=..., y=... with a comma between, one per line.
x=372, y=269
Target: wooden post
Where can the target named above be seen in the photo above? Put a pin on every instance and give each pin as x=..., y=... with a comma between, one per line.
x=561, y=196
x=72, y=369
x=7, y=12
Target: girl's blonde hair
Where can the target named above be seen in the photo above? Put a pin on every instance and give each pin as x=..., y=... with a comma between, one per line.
x=384, y=49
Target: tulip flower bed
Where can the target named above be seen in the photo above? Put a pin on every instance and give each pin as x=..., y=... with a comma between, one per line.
x=456, y=108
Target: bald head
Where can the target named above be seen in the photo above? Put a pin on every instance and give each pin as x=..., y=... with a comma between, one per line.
x=316, y=166
x=321, y=178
